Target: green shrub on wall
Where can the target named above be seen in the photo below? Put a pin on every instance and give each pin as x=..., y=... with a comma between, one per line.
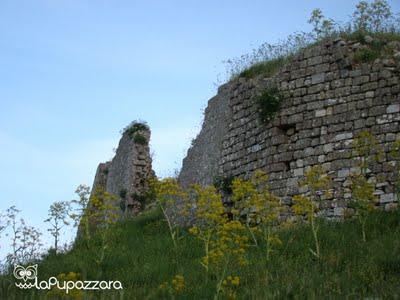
x=134, y=129
x=224, y=184
x=269, y=103
x=140, y=139
x=365, y=55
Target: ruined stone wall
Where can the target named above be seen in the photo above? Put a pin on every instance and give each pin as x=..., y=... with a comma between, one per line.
x=201, y=162
x=100, y=179
x=127, y=173
x=327, y=99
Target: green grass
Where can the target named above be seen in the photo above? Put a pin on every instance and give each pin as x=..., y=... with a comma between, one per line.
x=375, y=49
x=382, y=37
x=141, y=256
x=266, y=68
x=269, y=67
x=366, y=55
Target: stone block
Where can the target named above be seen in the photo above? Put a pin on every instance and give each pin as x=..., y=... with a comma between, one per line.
x=393, y=108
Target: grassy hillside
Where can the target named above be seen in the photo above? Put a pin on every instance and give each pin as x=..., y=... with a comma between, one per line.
x=140, y=255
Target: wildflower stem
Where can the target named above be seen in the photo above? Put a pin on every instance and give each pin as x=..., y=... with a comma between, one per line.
x=220, y=283
x=315, y=233
x=252, y=234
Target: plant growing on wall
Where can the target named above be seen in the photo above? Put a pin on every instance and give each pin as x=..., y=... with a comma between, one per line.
x=318, y=184
x=122, y=202
x=373, y=18
x=367, y=151
x=143, y=198
x=135, y=129
x=224, y=184
x=269, y=103
x=140, y=139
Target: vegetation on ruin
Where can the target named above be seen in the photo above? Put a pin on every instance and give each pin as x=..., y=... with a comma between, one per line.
x=269, y=103
x=373, y=24
x=223, y=184
x=266, y=68
x=134, y=131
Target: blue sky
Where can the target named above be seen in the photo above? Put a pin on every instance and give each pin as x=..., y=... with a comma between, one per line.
x=73, y=73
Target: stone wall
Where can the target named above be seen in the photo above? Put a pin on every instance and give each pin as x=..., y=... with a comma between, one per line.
x=328, y=99
x=128, y=173
x=201, y=162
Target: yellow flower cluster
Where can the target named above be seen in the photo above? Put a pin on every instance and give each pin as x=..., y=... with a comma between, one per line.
x=260, y=209
x=102, y=208
x=229, y=286
x=167, y=191
x=178, y=283
x=367, y=148
x=363, y=193
x=209, y=207
x=231, y=281
x=176, y=286
x=224, y=231
x=225, y=240
x=368, y=151
x=318, y=183
x=228, y=247
x=253, y=200
x=303, y=205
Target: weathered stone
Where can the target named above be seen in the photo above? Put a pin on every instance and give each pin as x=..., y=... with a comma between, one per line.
x=320, y=113
x=317, y=78
x=327, y=100
x=298, y=172
x=344, y=136
x=386, y=198
x=343, y=173
x=393, y=108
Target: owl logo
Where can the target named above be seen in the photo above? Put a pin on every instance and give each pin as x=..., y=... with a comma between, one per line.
x=22, y=273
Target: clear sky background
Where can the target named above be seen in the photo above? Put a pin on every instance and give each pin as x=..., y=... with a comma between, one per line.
x=73, y=73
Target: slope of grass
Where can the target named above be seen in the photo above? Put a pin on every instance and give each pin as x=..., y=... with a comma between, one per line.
x=141, y=256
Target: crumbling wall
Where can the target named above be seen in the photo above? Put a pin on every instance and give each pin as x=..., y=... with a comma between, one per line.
x=127, y=175
x=327, y=99
x=201, y=162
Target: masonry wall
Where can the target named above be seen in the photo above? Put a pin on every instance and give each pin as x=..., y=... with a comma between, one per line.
x=129, y=171
x=328, y=99
x=202, y=160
